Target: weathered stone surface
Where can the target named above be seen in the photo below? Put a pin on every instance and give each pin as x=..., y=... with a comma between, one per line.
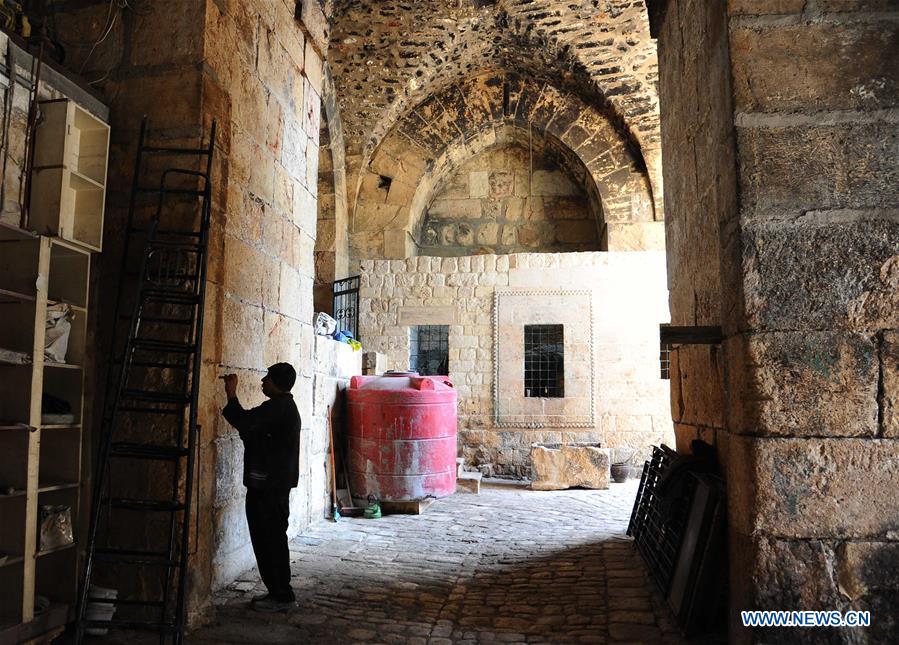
x=557, y=467
x=812, y=488
x=889, y=374
x=816, y=384
x=788, y=285
x=697, y=382
x=803, y=167
x=866, y=567
x=314, y=23
x=497, y=214
x=853, y=75
x=762, y=7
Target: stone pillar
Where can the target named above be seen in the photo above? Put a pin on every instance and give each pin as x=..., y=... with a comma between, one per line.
x=801, y=268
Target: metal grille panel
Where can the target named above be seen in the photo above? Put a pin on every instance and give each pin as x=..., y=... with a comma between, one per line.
x=345, y=302
x=429, y=350
x=544, y=361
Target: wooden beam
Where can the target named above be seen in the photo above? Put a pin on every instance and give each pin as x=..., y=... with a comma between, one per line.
x=671, y=335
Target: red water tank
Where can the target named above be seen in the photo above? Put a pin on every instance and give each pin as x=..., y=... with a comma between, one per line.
x=402, y=436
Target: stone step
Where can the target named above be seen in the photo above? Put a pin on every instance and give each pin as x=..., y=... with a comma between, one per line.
x=469, y=483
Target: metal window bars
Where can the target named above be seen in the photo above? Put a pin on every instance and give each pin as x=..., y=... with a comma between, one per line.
x=429, y=350
x=345, y=301
x=544, y=361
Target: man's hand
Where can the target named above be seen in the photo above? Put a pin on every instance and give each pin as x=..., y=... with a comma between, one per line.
x=230, y=385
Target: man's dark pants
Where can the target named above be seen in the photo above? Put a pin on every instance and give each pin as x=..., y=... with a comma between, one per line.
x=267, y=513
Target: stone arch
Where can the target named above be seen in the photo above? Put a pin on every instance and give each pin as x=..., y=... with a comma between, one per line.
x=332, y=239
x=562, y=231
x=602, y=52
x=441, y=131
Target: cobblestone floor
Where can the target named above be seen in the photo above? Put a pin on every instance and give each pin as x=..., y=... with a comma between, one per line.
x=509, y=565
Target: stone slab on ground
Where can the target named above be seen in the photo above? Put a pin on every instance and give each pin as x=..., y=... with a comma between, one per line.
x=468, y=482
x=561, y=466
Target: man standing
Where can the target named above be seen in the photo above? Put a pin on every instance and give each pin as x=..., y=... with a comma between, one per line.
x=271, y=438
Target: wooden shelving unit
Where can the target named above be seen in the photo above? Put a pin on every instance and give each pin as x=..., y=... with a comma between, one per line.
x=40, y=462
x=69, y=182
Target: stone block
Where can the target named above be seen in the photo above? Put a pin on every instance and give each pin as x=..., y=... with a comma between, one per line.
x=853, y=76
x=787, y=286
x=561, y=466
x=479, y=184
x=294, y=142
x=313, y=68
x=544, y=182
x=697, y=382
x=487, y=233
x=324, y=394
x=635, y=236
x=813, y=488
x=243, y=267
x=242, y=330
x=865, y=567
x=455, y=209
x=501, y=183
x=373, y=363
x=763, y=7
x=314, y=23
x=792, y=168
x=815, y=384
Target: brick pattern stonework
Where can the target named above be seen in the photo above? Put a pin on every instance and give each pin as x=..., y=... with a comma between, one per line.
x=791, y=102
x=430, y=142
x=389, y=57
x=631, y=401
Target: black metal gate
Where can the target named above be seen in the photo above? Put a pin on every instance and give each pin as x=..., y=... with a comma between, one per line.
x=346, y=304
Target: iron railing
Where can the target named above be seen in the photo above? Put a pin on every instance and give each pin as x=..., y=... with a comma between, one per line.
x=345, y=294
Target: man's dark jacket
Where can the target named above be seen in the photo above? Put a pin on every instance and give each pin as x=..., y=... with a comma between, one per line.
x=271, y=438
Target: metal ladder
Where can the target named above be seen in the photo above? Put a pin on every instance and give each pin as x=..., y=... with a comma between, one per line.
x=141, y=506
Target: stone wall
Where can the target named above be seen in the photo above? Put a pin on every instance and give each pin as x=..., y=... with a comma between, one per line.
x=627, y=290
x=510, y=199
x=329, y=370
x=784, y=166
x=258, y=70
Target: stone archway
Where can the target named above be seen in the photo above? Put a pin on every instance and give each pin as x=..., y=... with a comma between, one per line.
x=449, y=127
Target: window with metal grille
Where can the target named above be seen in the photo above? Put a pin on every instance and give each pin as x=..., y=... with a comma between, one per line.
x=665, y=360
x=429, y=350
x=544, y=361
x=345, y=304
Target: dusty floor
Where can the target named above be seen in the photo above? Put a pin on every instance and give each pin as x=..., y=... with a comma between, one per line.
x=509, y=565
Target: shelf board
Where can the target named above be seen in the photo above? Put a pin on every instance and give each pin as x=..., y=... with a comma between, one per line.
x=16, y=493
x=6, y=425
x=91, y=183
x=74, y=307
x=67, y=366
x=54, y=486
x=61, y=426
x=16, y=295
x=11, y=560
x=15, y=230
x=55, y=549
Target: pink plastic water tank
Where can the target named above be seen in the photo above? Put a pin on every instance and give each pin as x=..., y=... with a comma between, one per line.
x=402, y=436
